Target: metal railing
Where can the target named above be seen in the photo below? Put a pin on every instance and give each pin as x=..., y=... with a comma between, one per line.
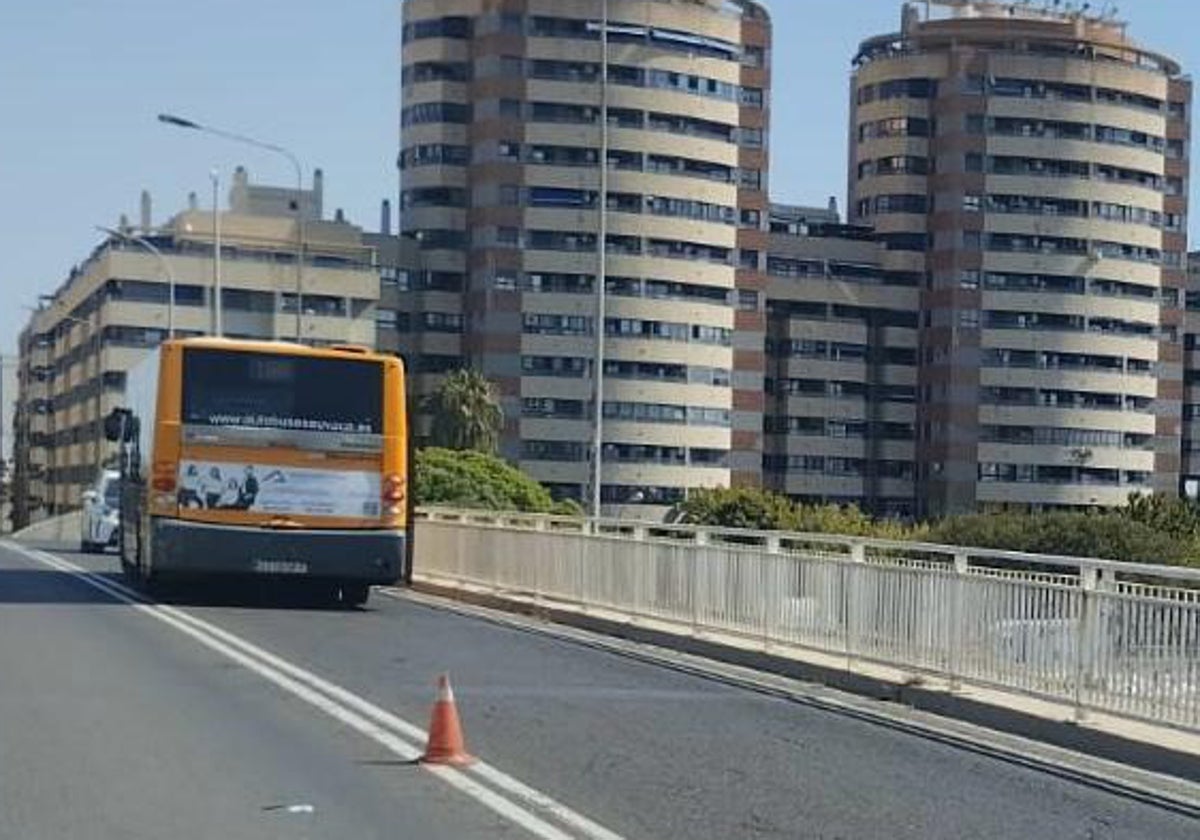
x=1100, y=635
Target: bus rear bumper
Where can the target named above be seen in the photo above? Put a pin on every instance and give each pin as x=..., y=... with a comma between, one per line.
x=187, y=549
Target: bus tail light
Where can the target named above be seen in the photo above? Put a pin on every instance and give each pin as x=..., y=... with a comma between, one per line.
x=393, y=495
x=162, y=476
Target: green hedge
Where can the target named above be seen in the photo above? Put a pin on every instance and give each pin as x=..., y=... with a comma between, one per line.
x=470, y=479
x=1113, y=535
x=1149, y=529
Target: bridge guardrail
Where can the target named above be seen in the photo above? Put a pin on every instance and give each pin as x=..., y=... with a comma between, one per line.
x=1099, y=634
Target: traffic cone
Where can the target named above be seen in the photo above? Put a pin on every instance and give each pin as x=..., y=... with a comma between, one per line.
x=445, y=745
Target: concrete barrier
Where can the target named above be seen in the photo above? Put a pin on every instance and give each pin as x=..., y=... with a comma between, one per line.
x=57, y=529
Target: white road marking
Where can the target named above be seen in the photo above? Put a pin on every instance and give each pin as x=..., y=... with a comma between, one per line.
x=532, y=808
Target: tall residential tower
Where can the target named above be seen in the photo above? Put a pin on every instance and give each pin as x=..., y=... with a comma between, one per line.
x=1032, y=163
x=524, y=147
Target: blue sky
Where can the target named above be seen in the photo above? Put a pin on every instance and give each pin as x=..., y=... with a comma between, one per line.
x=82, y=80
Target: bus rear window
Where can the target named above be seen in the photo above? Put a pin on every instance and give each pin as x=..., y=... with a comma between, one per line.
x=274, y=391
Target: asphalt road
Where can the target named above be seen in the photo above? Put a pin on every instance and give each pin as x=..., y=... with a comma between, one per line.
x=113, y=724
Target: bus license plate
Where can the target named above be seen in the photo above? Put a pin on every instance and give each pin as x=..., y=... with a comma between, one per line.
x=281, y=567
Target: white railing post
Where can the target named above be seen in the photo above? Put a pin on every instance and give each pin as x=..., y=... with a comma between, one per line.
x=1089, y=580
x=697, y=590
x=958, y=634
x=852, y=595
x=770, y=592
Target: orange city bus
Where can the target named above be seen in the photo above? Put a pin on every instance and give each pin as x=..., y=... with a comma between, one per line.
x=264, y=458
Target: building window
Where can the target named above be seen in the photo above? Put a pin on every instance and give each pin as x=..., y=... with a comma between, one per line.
x=968, y=319
x=435, y=112
x=968, y=278
x=972, y=203
x=444, y=27
x=446, y=322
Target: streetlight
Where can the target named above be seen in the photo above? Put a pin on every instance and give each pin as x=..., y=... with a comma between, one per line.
x=182, y=122
x=166, y=266
x=218, y=326
x=602, y=272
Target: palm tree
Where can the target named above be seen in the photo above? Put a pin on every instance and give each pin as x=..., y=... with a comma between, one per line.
x=466, y=414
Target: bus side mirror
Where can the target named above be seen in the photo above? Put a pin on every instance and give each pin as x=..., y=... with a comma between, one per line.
x=118, y=426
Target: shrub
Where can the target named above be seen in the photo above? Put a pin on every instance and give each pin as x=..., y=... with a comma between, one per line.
x=739, y=507
x=1150, y=529
x=472, y=479
x=763, y=510
x=1168, y=514
x=1112, y=535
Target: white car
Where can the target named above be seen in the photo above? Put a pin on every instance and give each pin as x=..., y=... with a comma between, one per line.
x=101, y=519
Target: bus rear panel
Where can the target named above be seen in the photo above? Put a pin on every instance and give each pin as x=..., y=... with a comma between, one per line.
x=271, y=459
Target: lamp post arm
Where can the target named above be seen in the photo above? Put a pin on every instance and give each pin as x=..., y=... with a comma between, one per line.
x=183, y=122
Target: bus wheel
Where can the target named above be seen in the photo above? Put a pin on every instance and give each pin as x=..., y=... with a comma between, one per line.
x=355, y=594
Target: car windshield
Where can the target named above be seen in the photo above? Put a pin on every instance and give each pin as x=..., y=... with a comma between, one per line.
x=112, y=493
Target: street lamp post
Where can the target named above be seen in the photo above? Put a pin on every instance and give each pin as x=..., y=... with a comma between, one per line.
x=602, y=274
x=218, y=326
x=182, y=122
x=166, y=266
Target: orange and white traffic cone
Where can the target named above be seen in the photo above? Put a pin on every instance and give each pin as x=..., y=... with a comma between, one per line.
x=445, y=744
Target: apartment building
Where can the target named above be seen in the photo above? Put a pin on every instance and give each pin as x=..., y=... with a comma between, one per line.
x=841, y=347
x=1032, y=165
x=115, y=306
x=1191, y=380
x=508, y=110
x=8, y=403
x=419, y=316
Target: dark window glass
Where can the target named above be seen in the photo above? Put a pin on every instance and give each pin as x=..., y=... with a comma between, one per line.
x=266, y=390
x=443, y=27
